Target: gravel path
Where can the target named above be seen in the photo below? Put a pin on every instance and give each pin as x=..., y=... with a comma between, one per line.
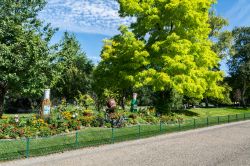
x=223, y=145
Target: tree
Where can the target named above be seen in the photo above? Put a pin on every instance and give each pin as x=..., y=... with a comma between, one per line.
x=123, y=57
x=222, y=39
x=176, y=38
x=24, y=52
x=76, y=69
x=237, y=95
x=221, y=45
x=239, y=64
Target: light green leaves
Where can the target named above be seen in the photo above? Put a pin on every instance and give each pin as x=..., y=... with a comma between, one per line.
x=167, y=49
x=123, y=57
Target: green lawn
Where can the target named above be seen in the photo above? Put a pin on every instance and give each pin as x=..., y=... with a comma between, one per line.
x=193, y=118
x=191, y=113
x=14, y=149
x=208, y=112
x=20, y=115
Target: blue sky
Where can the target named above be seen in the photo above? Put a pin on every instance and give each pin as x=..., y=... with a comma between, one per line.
x=94, y=20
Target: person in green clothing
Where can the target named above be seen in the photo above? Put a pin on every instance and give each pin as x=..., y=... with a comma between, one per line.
x=134, y=103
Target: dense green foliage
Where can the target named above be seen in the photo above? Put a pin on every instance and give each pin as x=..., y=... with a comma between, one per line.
x=167, y=51
x=28, y=61
x=222, y=39
x=239, y=64
x=170, y=55
x=76, y=69
x=24, y=49
x=123, y=57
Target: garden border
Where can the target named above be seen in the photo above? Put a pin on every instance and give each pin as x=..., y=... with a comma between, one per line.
x=32, y=147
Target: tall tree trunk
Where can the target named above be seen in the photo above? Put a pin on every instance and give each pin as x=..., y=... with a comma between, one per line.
x=206, y=101
x=243, y=94
x=123, y=100
x=2, y=95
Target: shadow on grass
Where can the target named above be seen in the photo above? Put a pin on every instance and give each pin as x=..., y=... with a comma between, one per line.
x=239, y=108
x=185, y=112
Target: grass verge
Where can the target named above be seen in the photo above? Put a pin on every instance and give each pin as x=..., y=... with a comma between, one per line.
x=16, y=149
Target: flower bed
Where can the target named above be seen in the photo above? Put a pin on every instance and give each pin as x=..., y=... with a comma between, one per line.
x=64, y=119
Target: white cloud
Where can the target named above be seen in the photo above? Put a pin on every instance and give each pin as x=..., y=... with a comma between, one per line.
x=89, y=16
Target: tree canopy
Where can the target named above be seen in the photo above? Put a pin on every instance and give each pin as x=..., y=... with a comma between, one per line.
x=175, y=51
x=24, y=49
x=123, y=57
x=222, y=39
x=239, y=64
x=76, y=69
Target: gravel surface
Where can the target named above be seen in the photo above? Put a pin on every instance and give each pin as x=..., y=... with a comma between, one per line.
x=223, y=145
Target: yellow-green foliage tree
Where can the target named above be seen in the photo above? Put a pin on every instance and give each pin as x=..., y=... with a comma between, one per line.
x=175, y=41
x=123, y=57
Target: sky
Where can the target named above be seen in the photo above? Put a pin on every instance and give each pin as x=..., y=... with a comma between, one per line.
x=92, y=21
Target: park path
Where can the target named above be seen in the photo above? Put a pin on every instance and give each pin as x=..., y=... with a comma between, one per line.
x=222, y=145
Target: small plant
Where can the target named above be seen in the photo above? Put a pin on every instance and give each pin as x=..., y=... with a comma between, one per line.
x=108, y=125
x=4, y=117
x=88, y=113
x=44, y=131
x=100, y=119
x=87, y=120
x=132, y=116
x=151, y=119
x=170, y=118
x=67, y=115
x=85, y=100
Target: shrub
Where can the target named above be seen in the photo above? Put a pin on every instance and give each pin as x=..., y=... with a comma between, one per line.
x=100, y=120
x=67, y=115
x=132, y=121
x=171, y=118
x=140, y=120
x=151, y=119
x=88, y=113
x=30, y=131
x=85, y=100
x=87, y=120
x=132, y=116
x=108, y=125
x=44, y=131
x=75, y=125
x=165, y=118
x=38, y=123
x=4, y=117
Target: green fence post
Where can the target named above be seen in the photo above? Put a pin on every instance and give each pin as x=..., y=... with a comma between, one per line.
x=113, y=135
x=139, y=131
x=228, y=118
x=194, y=124
x=76, y=141
x=160, y=126
x=179, y=124
x=27, y=147
x=218, y=120
x=207, y=121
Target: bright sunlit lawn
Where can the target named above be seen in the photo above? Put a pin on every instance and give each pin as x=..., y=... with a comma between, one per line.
x=209, y=112
x=190, y=113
